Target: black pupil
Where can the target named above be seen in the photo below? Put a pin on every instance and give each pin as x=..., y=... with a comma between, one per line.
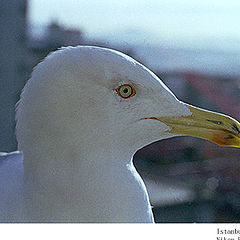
x=125, y=90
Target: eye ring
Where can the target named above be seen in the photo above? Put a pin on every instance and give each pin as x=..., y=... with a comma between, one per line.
x=126, y=91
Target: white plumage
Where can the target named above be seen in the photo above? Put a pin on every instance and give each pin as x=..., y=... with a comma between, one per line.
x=78, y=137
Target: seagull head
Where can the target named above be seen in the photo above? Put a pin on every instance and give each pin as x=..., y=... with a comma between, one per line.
x=100, y=95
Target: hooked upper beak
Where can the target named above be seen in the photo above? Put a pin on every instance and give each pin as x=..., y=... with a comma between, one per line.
x=218, y=128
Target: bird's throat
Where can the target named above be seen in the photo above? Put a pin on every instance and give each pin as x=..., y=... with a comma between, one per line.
x=91, y=186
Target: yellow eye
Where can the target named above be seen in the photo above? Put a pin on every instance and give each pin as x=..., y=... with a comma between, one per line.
x=126, y=91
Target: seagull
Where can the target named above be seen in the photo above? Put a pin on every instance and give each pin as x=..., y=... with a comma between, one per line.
x=81, y=117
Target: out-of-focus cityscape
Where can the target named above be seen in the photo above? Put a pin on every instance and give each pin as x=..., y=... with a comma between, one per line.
x=189, y=180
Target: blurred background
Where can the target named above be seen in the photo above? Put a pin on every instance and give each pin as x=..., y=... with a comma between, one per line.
x=192, y=45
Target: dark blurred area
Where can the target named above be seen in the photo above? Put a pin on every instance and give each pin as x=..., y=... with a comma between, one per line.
x=189, y=180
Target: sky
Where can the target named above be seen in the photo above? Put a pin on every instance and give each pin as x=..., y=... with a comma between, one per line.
x=196, y=22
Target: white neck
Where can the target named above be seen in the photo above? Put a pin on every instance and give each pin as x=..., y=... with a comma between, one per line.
x=91, y=184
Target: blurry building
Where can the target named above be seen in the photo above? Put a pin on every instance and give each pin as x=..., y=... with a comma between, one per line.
x=56, y=36
x=12, y=66
x=59, y=36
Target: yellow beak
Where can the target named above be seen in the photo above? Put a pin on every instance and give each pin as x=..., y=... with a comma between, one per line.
x=218, y=128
